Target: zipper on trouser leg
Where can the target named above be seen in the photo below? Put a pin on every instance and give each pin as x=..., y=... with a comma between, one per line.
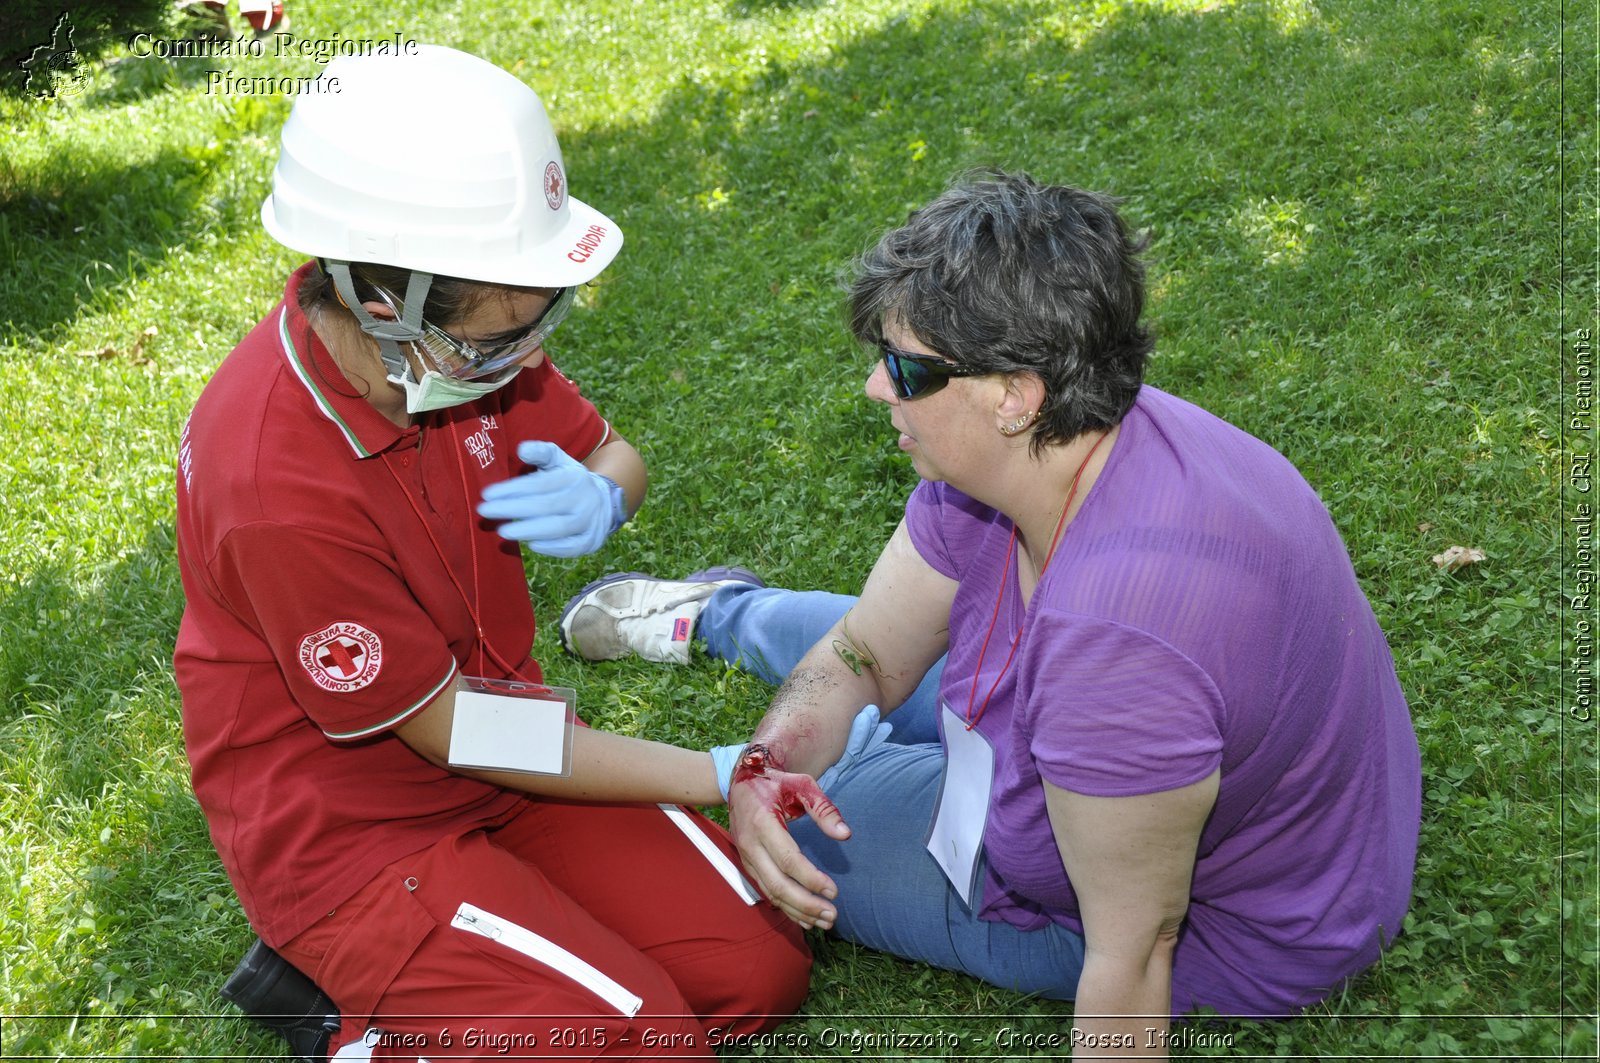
x=714, y=856
x=475, y=920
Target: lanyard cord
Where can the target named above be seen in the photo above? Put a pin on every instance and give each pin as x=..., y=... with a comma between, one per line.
x=469, y=600
x=1011, y=547
x=472, y=550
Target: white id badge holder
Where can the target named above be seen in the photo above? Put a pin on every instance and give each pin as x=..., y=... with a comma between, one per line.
x=955, y=839
x=508, y=725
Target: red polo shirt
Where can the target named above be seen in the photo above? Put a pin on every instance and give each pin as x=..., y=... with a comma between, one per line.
x=333, y=564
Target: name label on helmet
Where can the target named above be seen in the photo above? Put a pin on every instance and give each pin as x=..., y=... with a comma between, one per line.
x=588, y=243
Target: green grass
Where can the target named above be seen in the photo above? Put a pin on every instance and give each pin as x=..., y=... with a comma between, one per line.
x=1359, y=210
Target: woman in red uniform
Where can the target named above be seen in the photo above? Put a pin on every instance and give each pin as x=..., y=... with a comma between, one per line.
x=352, y=487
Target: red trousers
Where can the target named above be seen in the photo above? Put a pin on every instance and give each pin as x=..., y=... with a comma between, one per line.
x=574, y=931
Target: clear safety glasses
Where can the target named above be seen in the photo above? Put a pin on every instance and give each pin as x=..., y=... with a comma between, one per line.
x=461, y=360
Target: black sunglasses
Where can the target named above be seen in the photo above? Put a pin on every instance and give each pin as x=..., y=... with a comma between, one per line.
x=917, y=375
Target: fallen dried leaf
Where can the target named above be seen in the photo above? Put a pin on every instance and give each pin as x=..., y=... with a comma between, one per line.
x=135, y=353
x=1458, y=557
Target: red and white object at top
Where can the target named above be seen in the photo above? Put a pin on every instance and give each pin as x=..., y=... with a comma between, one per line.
x=263, y=15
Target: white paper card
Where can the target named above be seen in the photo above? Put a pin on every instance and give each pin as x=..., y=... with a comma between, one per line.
x=503, y=733
x=956, y=838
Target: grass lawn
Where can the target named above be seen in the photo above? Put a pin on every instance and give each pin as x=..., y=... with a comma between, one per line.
x=1374, y=248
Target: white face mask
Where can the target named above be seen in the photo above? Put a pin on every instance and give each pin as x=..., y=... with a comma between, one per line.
x=435, y=391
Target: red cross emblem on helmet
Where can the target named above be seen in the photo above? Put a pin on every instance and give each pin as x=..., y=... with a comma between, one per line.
x=342, y=657
x=555, y=186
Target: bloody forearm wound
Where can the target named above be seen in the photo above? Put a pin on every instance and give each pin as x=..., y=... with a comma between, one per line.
x=795, y=794
x=754, y=763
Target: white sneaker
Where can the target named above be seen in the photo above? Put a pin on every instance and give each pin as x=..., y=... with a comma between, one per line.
x=632, y=613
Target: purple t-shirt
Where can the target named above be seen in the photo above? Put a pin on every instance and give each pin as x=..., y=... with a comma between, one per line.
x=1200, y=610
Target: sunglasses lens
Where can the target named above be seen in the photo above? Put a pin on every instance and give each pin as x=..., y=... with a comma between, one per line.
x=910, y=379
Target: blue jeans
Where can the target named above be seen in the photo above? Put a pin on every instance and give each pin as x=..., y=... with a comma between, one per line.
x=892, y=895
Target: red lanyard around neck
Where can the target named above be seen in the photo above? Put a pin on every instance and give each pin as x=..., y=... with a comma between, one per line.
x=1005, y=569
x=470, y=600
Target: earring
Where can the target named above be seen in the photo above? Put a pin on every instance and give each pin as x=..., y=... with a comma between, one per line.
x=1018, y=425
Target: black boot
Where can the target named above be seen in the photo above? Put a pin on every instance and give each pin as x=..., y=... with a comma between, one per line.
x=266, y=987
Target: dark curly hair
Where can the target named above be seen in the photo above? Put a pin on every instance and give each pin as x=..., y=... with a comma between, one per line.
x=1007, y=275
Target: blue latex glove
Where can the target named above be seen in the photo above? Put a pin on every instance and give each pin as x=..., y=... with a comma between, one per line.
x=561, y=508
x=866, y=734
x=725, y=759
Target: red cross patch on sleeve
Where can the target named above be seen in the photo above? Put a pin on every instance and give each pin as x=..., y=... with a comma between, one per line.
x=342, y=657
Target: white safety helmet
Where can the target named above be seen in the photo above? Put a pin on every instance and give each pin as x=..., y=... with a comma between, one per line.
x=438, y=162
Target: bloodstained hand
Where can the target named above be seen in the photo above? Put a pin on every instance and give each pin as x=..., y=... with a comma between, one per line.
x=759, y=785
x=789, y=796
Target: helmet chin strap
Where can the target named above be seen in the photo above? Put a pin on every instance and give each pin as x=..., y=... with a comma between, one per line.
x=389, y=334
